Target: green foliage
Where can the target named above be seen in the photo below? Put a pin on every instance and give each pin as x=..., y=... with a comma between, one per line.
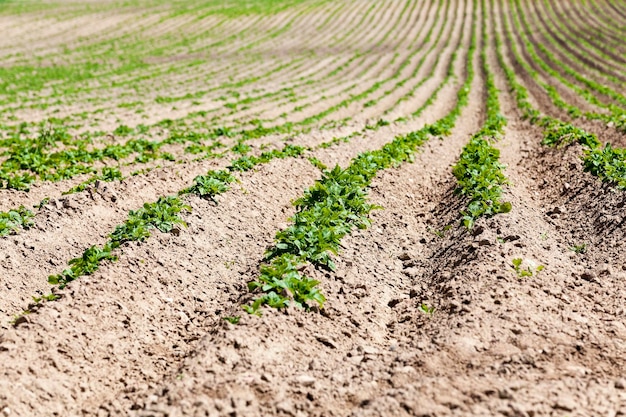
x=209, y=185
x=480, y=176
x=317, y=163
x=478, y=172
x=426, y=310
x=582, y=248
x=232, y=319
x=527, y=271
x=13, y=220
x=608, y=164
x=558, y=134
x=87, y=264
x=162, y=214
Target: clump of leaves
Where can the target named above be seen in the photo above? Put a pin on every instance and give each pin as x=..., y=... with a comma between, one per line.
x=232, y=319
x=608, y=164
x=559, y=134
x=527, y=271
x=209, y=185
x=480, y=177
x=13, y=220
x=317, y=163
x=86, y=264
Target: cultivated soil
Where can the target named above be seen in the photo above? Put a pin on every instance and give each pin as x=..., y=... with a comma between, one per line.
x=423, y=317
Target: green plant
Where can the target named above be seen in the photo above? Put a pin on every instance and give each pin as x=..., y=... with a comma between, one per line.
x=13, y=220
x=582, y=248
x=209, y=185
x=162, y=214
x=425, y=309
x=527, y=271
x=232, y=319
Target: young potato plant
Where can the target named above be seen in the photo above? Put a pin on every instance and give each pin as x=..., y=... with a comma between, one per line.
x=14, y=220
x=527, y=271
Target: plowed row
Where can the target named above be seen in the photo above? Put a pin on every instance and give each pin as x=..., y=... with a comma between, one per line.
x=416, y=314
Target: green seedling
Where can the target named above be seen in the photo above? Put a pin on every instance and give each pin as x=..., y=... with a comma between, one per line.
x=425, y=309
x=441, y=233
x=582, y=248
x=525, y=272
x=232, y=319
x=13, y=220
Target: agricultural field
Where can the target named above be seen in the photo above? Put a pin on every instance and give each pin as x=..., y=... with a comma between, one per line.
x=312, y=208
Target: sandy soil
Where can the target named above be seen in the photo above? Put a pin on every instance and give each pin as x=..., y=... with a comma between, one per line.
x=423, y=317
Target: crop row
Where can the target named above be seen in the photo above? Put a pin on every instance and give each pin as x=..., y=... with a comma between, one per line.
x=579, y=58
x=331, y=208
x=617, y=116
x=478, y=172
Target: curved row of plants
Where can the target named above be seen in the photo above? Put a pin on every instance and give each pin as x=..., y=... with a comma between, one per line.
x=575, y=30
x=331, y=208
x=550, y=90
x=581, y=59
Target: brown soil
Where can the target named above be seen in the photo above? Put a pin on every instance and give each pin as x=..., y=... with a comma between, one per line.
x=423, y=317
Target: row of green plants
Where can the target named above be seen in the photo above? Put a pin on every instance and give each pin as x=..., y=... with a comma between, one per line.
x=606, y=162
x=406, y=62
x=195, y=95
x=478, y=172
x=331, y=208
x=129, y=48
x=411, y=93
x=449, y=75
x=611, y=27
x=164, y=214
